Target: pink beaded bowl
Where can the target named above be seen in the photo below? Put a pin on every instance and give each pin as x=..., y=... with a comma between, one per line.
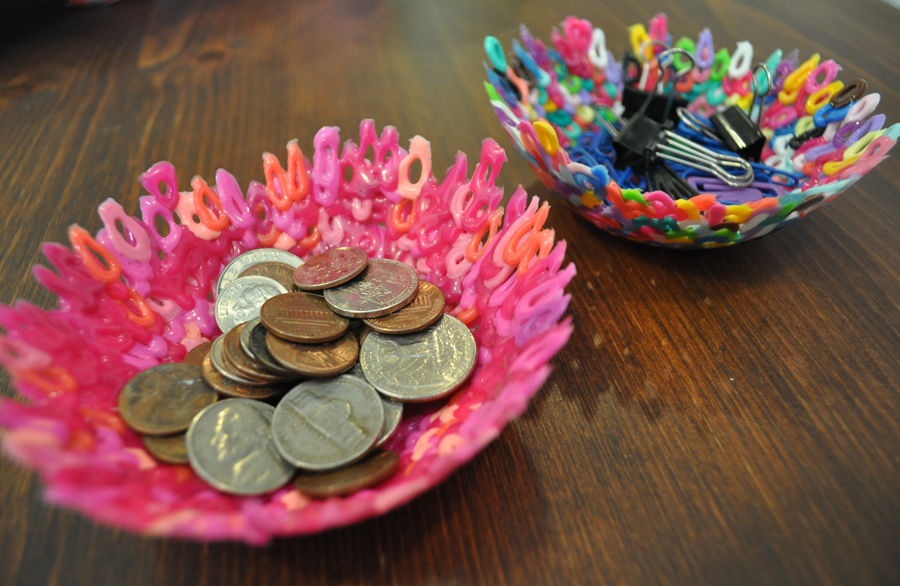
x=139, y=294
x=557, y=103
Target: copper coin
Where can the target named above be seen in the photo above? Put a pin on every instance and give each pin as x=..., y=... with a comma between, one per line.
x=229, y=388
x=375, y=469
x=424, y=310
x=238, y=359
x=171, y=449
x=326, y=359
x=164, y=399
x=277, y=271
x=217, y=355
x=302, y=317
x=196, y=355
x=384, y=287
x=331, y=268
x=261, y=351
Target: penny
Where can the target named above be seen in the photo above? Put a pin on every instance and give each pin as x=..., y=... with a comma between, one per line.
x=241, y=263
x=229, y=388
x=240, y=301
x=331, y=268
x=230, y=446
x=326, y=359
x=325, y=424
x=384, y=287
x=217, y=357
x=302, y=317
x=196, y=355
x=372, y=471
x=421, y=366
x=236, y=358
x=162, y=400
x=424, y=310
x=171, y=449
x=261, y=351
x=278, y=271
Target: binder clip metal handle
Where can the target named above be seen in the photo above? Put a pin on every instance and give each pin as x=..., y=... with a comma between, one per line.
x=678, y=149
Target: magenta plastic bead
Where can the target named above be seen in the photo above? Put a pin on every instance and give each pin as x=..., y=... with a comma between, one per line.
x=151, y=208
x=162, y=173
x=326, y=165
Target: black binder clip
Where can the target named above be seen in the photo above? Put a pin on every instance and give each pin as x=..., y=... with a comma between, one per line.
x=635, y=96
x=642, y=131
x=738, y=132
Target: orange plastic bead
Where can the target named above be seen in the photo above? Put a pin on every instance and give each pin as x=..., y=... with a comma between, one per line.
x=202, y=192
x=83, y=243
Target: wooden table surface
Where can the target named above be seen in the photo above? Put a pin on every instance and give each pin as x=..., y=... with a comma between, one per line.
x=718, y=417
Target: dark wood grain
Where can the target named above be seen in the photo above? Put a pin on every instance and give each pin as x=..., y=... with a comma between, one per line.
x=725, y=417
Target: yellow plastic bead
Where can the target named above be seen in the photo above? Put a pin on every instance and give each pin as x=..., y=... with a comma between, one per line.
x=547, y=137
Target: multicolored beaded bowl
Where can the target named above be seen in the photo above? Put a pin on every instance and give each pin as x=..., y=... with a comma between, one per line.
x=139, y=294
x=561, y=106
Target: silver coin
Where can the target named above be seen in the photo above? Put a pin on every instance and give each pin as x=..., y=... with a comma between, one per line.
x=217, y=356
x=393, y=410
x=384, y=287
x=422, y=366
x=247, y=339
x=261, y=351
x=326, y=424
x=393, y=413
x=230, y=446
x=254, y=257
x=240, y=301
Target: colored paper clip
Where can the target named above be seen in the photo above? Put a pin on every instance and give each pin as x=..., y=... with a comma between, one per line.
x=751, y=192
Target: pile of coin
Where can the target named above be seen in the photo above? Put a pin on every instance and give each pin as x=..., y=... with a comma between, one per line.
x=314, y=364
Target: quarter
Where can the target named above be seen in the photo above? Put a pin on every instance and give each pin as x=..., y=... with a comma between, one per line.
x=422, y=366
x=242, y=262
x=278, y=271
x=384, y=287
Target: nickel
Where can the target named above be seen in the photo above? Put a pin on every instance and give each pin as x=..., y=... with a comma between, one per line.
x=322, y=425
x=230, y=446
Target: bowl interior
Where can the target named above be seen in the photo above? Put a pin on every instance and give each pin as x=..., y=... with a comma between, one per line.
x=562, y=105
x=140, y=293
